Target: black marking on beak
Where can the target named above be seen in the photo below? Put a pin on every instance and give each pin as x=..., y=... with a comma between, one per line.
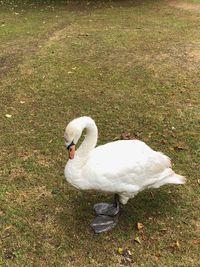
x=71, y=144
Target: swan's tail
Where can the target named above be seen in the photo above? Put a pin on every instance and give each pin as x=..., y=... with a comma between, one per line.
x=170, y=177
x=176, y=179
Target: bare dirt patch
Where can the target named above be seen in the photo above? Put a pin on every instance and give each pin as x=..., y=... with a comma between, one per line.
x=185, y=6
x=195, y=55
x=57, y=36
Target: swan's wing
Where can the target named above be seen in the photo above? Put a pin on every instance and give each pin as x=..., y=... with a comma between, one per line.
x=130, y=162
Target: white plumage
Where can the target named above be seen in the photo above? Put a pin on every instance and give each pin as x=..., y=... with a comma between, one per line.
x=124, y=167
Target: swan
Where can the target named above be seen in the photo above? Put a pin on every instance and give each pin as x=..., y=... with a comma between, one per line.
x=123, y=167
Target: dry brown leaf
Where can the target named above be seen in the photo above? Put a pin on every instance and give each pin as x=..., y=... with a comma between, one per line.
x=23, y=196
x=125, y=136
x=139, y=226
x=174, y=246
x=177, y=244
x=8, y=227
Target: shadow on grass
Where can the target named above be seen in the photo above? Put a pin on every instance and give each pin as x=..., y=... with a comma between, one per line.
x=156, y=204
x=78, y=5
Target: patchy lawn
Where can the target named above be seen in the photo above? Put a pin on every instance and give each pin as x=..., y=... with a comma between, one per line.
x=134, y=67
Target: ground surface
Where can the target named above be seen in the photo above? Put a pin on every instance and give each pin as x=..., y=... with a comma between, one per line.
x=134, y=67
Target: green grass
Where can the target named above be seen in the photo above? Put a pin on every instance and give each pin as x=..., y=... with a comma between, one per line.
x=134, y=67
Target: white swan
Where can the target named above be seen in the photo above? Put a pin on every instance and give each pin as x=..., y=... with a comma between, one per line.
x=123, y=167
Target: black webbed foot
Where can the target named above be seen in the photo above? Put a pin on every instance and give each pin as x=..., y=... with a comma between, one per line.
x=107, y=216
x=103, y=223
x=106, y=209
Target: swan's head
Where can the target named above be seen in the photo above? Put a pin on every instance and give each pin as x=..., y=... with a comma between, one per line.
x=71, y=136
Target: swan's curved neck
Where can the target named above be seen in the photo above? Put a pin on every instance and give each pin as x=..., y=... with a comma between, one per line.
x=90, y=139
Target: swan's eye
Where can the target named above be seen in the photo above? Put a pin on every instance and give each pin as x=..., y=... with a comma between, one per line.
x=71, y=144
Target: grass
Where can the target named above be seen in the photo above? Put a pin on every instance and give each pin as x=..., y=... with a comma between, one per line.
x=134, y=67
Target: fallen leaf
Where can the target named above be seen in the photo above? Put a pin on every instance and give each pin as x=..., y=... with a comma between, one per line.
x=177, y=244
x=163, y=229
x=8, y=116
x=125, y=136
x=120, y=250
x=139, y=226
x=23, y=196
x=128, y=136
x=8, y=227
x=129, y=252
x=174, y=246
x=198, y=181
x=136, y=239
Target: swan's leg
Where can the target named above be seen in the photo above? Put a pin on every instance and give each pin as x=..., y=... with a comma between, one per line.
x=107, y=208
x=107, y=216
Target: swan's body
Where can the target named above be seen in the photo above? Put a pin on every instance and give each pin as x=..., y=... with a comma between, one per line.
x=123, y=167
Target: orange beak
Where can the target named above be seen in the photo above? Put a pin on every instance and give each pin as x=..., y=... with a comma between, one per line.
x=72, y=150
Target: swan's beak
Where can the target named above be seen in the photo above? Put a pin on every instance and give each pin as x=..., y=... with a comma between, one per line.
x=72, y=151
